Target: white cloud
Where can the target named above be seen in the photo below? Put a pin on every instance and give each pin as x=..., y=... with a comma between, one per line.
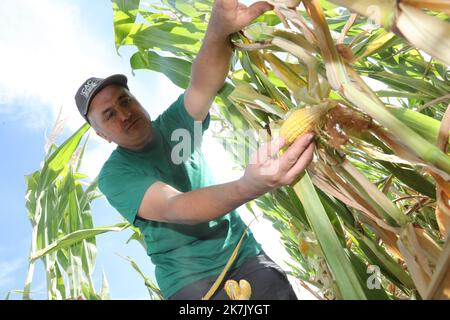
x=47, y=54
x=44, y=59
x=8, y=270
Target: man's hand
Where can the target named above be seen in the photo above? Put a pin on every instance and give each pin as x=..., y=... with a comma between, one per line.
x=212, y=64
x=230, y=16
x=264, y=173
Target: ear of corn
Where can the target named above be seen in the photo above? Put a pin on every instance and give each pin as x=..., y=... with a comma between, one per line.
x=238, y=291
x=302, y=121
x=232, y=289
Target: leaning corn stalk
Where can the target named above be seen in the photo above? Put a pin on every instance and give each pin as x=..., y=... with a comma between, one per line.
x=343, y=80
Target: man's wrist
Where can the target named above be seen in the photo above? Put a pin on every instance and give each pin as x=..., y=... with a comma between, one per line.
x=246, y=190
x=216, y=38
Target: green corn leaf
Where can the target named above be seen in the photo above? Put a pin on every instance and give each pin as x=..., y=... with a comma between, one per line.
x=153, y=290
x=407, y=83
x=177, y=70
x=387, y=264
x=348, y=284
x=246, y=94
x=411, y=178
x=175, y=37
x=424, y=125
x=125, y=14
x=373, y=288
x=189, y=8
x=61, y=157
x=77, y=236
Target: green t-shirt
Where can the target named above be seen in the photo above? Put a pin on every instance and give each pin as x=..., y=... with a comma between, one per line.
x=182, y=254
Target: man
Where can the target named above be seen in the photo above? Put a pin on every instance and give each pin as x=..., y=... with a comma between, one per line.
x=190, y=225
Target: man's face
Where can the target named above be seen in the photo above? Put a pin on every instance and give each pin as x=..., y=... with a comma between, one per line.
x=117, y=116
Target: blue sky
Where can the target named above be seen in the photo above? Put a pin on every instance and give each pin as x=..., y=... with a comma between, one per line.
x=48, y=48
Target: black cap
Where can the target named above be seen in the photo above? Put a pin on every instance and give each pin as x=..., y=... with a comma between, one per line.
x=91, y=87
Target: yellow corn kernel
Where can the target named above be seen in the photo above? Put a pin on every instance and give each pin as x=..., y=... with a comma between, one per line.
x=302, y=121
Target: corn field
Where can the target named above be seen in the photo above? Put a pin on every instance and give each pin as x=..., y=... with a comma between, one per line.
x=373, y=82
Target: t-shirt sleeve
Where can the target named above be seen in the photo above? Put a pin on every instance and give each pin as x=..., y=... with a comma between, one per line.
x=176, y=118
x=125, y=191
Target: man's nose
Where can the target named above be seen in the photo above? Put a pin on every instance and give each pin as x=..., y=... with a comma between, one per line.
x=124, y=114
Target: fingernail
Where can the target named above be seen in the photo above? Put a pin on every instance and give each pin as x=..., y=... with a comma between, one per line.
x=310, y=136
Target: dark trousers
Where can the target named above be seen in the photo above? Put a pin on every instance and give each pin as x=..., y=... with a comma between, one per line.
x=267, y=279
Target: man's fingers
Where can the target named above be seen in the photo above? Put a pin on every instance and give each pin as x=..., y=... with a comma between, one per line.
x=292, y=154
x=257, y=9
x=287, y=175
x=229, y=4
x=302, y=163
x=247, y=15
x=267, y=151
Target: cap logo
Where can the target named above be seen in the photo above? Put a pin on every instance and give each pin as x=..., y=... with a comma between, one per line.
x=88, y=87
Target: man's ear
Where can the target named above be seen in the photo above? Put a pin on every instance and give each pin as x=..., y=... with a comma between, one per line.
x=103, y=136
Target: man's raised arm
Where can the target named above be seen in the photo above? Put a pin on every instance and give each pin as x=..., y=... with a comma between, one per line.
x=212, y=63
